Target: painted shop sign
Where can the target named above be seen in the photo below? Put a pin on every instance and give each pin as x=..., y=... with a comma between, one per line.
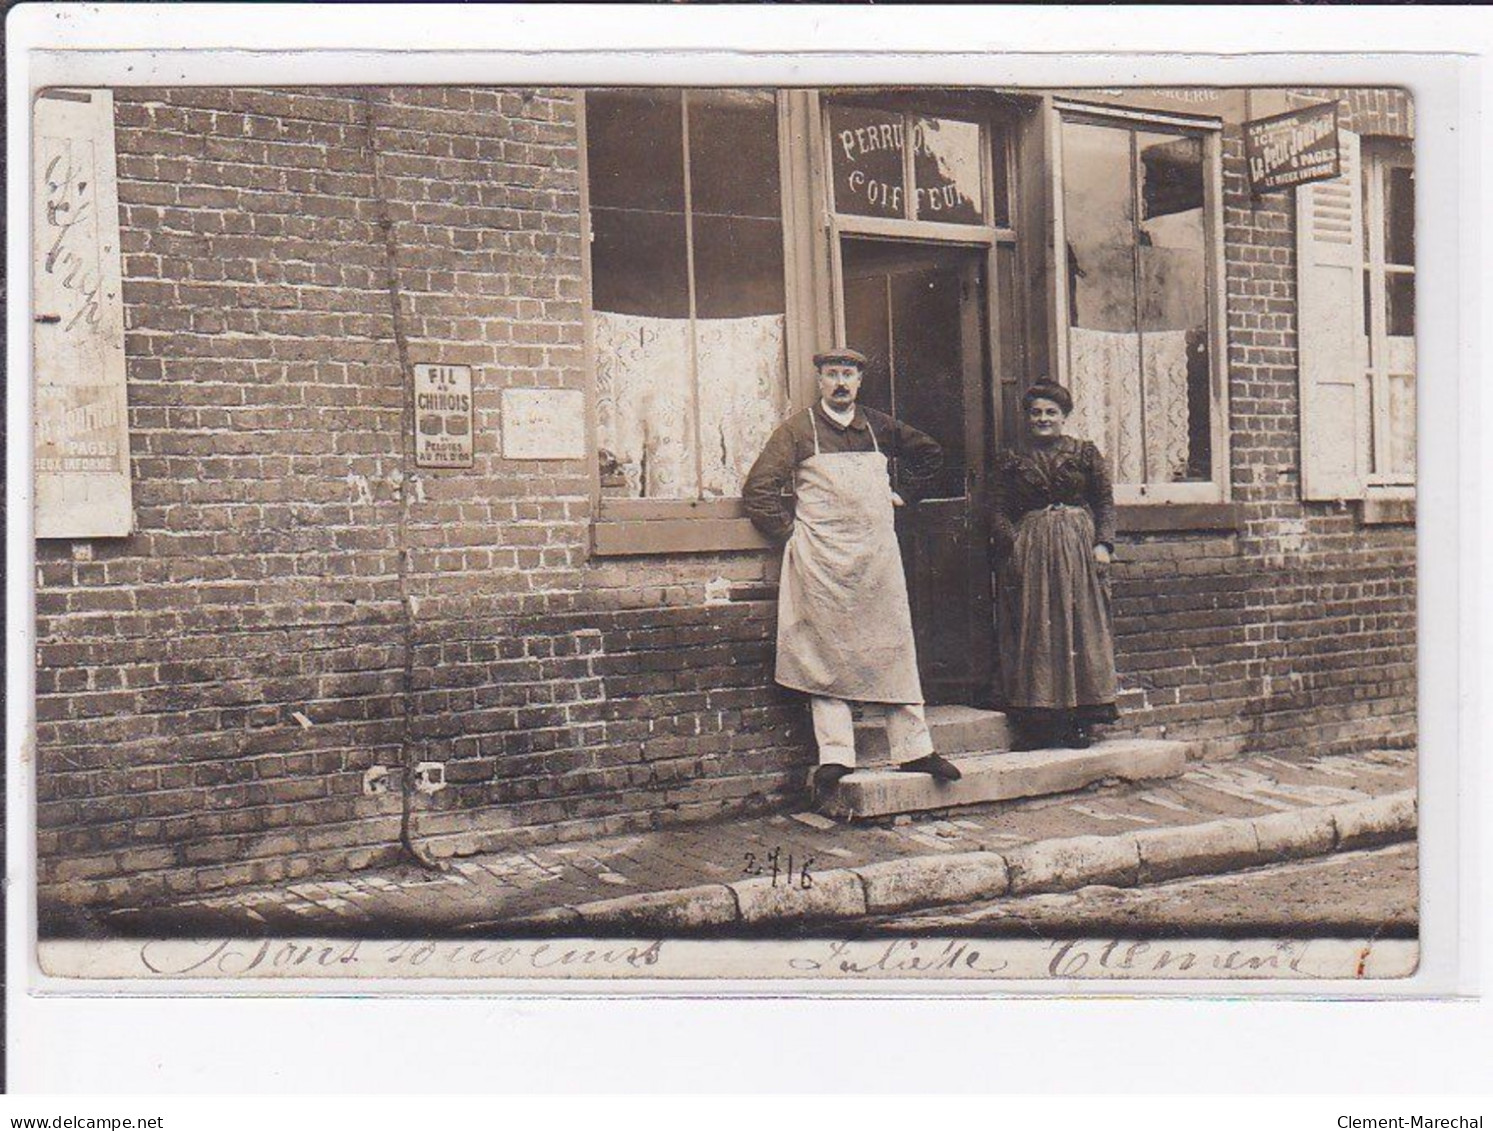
x=443, y=416
x=942, y=181
x=1294, y=148
x=81, y=421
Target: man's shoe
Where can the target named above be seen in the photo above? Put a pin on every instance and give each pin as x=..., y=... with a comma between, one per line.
x=940, y=768
x=824, y=779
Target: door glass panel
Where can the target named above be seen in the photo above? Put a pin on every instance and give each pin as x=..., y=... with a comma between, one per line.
x=904, y=309
x=866, y=161
x=1399, y=293
x=1399, y=216
x=946, y=169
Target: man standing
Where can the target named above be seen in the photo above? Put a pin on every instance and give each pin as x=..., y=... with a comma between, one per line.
x=844, y=624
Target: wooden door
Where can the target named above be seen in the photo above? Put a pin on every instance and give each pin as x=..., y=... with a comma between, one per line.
x=917, y=311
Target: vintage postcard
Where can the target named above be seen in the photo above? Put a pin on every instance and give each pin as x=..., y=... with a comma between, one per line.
x=901, y=533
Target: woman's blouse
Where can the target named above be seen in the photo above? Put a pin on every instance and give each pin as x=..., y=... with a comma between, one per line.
x=1070, y=472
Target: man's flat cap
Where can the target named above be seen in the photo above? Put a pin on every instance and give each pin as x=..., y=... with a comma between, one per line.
x=840, y=357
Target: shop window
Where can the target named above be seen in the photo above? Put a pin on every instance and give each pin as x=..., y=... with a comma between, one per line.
x=1140, y=289
x=687, y=288
x=942, y=180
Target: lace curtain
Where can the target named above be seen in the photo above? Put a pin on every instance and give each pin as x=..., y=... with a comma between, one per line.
x=646, y=401
x=1109, y=387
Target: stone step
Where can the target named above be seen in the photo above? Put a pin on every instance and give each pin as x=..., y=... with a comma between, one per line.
x=1007, y=776
x=956, y=730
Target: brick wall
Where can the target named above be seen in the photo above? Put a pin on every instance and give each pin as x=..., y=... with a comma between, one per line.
x=300, y=603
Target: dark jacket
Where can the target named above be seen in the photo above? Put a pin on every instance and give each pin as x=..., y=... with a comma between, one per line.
x=767, y=494
x=1071, y=472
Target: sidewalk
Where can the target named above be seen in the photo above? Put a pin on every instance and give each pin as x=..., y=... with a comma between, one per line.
x=680, y=873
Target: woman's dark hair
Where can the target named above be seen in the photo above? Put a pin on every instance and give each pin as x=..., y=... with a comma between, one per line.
x=1048, y=391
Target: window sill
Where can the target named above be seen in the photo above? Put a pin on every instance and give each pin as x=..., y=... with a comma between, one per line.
x=633, y=527
x=1387, y=511
x=1154, y=518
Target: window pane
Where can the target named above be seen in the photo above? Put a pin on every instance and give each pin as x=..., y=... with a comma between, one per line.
x=638, y=263
x=635, y=149
x=1000, y=142
x=1399, y=295
x=866, y=161
x=1399, y=216
x=738, y=267
x=946, y=171
x=1103, y=345
x=645, y=394
x=1173, y=308
x=733, y=141
x=742, y=366
x=1099, y=215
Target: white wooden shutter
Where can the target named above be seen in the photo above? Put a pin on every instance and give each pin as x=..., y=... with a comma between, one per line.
x=81, y=425
x=1331, y=346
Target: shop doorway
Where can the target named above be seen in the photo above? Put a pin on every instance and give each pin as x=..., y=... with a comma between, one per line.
x=918, y=311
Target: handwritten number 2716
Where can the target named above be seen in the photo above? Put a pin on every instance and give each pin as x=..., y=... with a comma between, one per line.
x=793, y=873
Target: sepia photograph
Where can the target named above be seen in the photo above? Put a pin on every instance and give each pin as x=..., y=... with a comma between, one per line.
x=833, y=532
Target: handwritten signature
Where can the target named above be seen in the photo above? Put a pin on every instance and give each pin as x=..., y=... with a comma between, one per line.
x=244, y=956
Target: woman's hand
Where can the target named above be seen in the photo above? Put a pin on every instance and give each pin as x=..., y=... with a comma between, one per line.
x=898, y=500
x=1102, y=557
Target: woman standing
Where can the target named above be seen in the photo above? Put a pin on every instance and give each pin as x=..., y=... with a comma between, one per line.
x=1053, y=530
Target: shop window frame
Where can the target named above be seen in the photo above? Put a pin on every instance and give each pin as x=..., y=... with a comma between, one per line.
x=1204, y=504
x=625, y=526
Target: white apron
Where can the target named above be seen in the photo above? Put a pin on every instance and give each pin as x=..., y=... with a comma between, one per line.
x=844, y=625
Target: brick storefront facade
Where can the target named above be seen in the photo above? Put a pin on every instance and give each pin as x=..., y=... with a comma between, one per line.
x=300, y=603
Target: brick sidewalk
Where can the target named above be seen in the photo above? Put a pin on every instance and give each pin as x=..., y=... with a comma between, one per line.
x=492, y=889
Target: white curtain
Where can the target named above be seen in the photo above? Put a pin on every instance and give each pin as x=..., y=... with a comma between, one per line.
x=743, y=381
x=1108, y=382
x=646, y=400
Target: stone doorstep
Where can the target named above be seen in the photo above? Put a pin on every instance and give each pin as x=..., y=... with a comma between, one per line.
x=956, y=730
x=1006, y=777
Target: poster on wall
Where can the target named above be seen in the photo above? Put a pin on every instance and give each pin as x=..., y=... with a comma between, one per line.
x=81, y=425
x=443, y=416
x=1294, y=148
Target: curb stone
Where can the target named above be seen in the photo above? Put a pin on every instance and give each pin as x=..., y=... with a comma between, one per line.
x=709, y=905
x=1186, y=850
x=920, y=881
x=1125, y=860
x=1365, y=824
x=1296, y=834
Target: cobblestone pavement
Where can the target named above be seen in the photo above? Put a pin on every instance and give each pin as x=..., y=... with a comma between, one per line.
x=489, y=889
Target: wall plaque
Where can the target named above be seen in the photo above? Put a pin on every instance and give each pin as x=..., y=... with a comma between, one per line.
x=443, y=416
x=1294, y=148
x=81, y=422
x=544, y=424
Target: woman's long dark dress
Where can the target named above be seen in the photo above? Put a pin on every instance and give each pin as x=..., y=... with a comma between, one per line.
x=1052, y=506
